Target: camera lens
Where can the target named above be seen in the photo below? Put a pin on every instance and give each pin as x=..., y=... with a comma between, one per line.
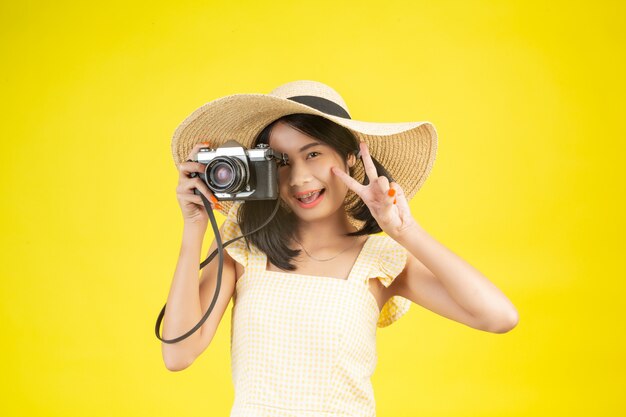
x=227, y=175
x=222, y=174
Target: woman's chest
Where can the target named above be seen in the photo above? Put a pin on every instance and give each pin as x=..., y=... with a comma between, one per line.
x=273, y=300
x=338, y=268
x=378, y=291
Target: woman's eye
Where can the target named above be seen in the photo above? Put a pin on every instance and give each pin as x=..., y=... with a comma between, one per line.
x=283, y=163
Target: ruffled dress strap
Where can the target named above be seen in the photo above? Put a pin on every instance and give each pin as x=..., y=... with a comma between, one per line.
x=388, y=260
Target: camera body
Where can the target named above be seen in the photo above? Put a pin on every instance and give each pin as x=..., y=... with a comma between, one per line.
x=233, y=172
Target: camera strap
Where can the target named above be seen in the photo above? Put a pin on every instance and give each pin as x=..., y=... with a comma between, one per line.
x=220, y=251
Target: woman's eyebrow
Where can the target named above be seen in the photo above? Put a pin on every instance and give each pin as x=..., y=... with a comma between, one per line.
x=309, y=145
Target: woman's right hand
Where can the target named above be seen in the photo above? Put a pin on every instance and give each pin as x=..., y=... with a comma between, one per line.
x=191, y=204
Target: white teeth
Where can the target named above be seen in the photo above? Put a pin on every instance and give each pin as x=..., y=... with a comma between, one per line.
x=309, y=194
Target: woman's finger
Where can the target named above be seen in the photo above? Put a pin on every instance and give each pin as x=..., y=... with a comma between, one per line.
x=370, y=169
x=401, y=198
x=196, y=199
x=193, y=155
x=187, y=168
x=201, y=186
x=348, y=180
x=187, y=184
x=384, y=184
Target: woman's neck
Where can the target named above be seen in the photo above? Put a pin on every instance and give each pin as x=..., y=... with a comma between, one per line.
x=326, y=233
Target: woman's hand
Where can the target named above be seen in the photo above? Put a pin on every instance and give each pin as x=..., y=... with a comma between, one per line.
x=385, y=200
x=191, y=204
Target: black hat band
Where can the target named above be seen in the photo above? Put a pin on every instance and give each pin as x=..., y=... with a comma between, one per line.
x=322, y=104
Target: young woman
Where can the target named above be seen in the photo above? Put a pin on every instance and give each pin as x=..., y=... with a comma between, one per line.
x=311, y=287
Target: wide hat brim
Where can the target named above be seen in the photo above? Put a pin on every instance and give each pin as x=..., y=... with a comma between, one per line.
x=406, y=150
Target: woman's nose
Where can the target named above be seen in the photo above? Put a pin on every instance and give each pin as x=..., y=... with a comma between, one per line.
x=299, y=174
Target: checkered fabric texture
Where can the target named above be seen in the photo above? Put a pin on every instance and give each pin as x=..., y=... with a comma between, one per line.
x=305, y=345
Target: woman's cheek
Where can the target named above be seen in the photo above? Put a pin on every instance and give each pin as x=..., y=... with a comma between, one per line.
x=282, y=175
x=321, y=163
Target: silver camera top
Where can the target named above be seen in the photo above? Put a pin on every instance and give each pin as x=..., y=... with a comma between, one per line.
x=233, y=148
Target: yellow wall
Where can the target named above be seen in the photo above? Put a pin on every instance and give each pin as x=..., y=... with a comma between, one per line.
x=528, y=101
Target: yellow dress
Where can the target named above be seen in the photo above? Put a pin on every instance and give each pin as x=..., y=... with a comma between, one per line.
x=305, y=345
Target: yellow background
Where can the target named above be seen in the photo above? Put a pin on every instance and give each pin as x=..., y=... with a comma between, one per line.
x=528, y=101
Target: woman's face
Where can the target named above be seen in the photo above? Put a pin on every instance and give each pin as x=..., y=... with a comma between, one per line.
x=308, y=170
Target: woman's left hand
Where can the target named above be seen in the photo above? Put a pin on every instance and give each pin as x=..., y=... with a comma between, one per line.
x=385, y=200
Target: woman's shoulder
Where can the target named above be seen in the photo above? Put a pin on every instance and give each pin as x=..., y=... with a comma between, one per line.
x=237, y=249
x=387, y=258
x=381, y=243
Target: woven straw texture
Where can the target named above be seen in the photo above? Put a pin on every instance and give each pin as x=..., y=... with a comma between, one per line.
x=406, y=150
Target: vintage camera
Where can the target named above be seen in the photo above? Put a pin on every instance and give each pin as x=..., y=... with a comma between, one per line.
x=235, y=173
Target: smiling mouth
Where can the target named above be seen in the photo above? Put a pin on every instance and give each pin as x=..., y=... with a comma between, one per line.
x=309, y=198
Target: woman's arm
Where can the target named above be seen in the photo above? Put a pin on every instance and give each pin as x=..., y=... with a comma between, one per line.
x=438, y=278
x=441, y=281
x=183, y=302
x=190, y=298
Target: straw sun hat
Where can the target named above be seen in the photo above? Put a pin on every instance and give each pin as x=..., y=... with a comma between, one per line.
x=406, y=150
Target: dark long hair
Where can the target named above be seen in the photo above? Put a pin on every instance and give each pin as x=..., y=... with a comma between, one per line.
x=273, y=238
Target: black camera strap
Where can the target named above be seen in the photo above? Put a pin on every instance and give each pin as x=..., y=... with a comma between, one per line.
x=220, y=251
